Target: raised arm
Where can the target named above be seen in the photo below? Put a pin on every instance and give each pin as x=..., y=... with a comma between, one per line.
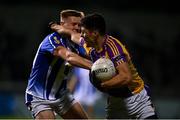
x=75, y=36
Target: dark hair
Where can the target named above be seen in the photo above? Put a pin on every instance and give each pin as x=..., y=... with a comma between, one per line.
x=94, y=22
x=69, y=12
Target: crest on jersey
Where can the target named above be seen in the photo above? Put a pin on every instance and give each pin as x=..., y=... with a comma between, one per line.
x=56, y=40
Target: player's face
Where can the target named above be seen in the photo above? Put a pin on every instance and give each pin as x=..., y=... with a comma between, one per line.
x=89, y=37
x=72, y=23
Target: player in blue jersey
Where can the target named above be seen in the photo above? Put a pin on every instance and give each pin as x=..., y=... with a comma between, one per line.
x=127, y=91
x=46, y=92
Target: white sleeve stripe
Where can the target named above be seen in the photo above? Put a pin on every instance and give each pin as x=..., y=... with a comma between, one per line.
x=51, y=42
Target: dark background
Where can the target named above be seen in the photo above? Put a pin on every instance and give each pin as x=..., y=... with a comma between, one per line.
x=150, y=30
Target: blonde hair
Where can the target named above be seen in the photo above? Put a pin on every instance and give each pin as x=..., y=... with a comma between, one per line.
x=69, y=12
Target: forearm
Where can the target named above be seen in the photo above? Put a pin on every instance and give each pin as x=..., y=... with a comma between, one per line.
x=122, y=78
x=78, y=61
x=63, y=32
x=116, y=81
x=75, y=37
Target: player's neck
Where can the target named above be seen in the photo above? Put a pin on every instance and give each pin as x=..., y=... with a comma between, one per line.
x=100, y=42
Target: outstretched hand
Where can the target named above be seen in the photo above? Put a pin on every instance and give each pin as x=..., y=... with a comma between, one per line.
x=65, y=32
x=56, y=27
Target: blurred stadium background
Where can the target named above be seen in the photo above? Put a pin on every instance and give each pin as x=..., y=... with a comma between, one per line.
x=150, y=30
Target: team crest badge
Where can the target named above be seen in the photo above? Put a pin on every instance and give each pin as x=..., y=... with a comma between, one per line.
x=56, y=40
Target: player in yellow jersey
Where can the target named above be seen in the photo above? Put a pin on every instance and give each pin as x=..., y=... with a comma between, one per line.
x=126, y=90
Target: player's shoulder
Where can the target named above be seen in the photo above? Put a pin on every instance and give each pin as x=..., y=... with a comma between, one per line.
x=51, y=40
x=52, y=37
x=112, y=41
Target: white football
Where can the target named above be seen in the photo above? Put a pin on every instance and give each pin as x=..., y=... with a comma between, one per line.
x=103, y=69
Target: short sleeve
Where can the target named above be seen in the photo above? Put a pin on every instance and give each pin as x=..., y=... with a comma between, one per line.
x=117, y=51
x=51, y=42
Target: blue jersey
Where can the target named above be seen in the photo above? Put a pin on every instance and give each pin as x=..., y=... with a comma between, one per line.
x=47, y=79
